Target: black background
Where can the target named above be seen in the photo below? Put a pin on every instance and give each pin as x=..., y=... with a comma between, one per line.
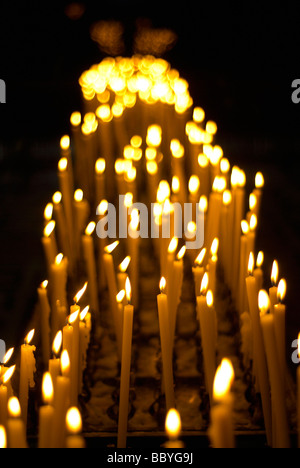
x=240, y=61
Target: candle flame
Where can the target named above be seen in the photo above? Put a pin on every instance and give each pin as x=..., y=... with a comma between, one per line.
x=73, y=317
x=84, y=313
x=209, y=298
x=173, y=245
x=260, y=259
x=110, y=248
x=162, y=284
x=44, y=284
x=78, y=195
x=251, y=263
x=194, y=184
x=175, y=184
x=48, y=212
x=73, y=421
x=49, y=229
x=214, y=246
x=47, y=388
x=253, y=222
x=57, y=342
x=203, y=204
x=259, y=180
x=128, y=289
x=65, y=363
x=29, y=337
x=227, y=197
x=102, y=208
x=181, y=253
x=274, y=273
x=100, y=166
x=57, y=198
x=204, y=284
x=65, y=142
x=200, y=257
x=63, y=165
x=80, y=293
x=120, y=296
x=281, y=291
x=223, y=379
x=173, y=424
x=245, y=227
x=252, y=201
x=263, y=302
x=8, y=374
x=14, y=408
x=90, y=228
x=124, y=265
x=59, y=259
x=8, y=355
x=75, y=119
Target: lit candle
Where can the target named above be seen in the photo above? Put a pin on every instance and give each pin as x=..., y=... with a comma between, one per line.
x=61, y=402
x=225, y=231
x=100, y=167
x=221, y=429
x=259, y=184
x=61, y=226
x=58, y=275
x=84, y=341
x=3, y=437
x=66, y=190
x=125, y=369
x=16, y=433
x=74, y=439
x=214, y=210
x=279, y=327
x=212, y=265
x=46, y=413
x=238, y=181
x=242, y=265
x=122, y=275
x=260, y=368
x=166, y=349
x=280, y=425
x=133, y=248
x=173, y=430
x=27, y=370
x=208, y=330
x=258, y=272
x=273, y=290
x=81, y=214
x=111, y=280
x=170, y=259
x=49, y=244
x=45, y=317
x=89, y=256
x=176, y=288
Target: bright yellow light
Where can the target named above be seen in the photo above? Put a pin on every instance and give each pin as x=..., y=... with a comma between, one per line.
x=65, y=363
x=252, y=201
x=204, y=284
x=281, y=291
x=75, y=119
x=57, y=198
x=3, y=438
x=78, y=195
x=260, y=259
x=102, y=208
x=90, y=228
x=152, y=167
x=154, y=135
x=203, y=160
x=100, y=166
x=194, y=184
x=175, y=185
x=125, y=264
x=128, y=289
x=173, y=424
x=253, y=222
x=65, y=142
x=227, y=197
x=47, y=388
x=120, y=296
x=162, y=284
x=181, y=253
x=203, y=204
x=198, y=115
x=63, y=165
x=84, y=313
x=8, y=355
x=80, y=293
x=251, y=263
x=224, y=165
x=57, y=342
x=8, y=374
x=200, y=258
x=73, y=421
x=58, y=259
x=29, y=337
x=263, y=302
x=223, y=380
x=211, y=127
x=173, y=245
x=49, y=229
x=14, y=408
x=259, y=180
x=274, y=273
x=209, y=298
x=245, y=227
x=48, y=212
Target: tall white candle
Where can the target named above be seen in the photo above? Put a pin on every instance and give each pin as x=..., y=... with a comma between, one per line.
x=27, y=370
x=46, y=413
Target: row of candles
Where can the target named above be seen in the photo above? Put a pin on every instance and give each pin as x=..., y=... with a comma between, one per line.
x=122, y=96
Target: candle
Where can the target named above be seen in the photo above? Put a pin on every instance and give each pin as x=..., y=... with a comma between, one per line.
x=133, y=248
x=74, y=440
x=5, y=394
x=61, y=226
x=58, y=275
x=208, y=330
x=279, y=327
x=280, y=425
x=100, y=167
x=199, y=270
x=111, y=280
x=89, y=256
x=61, y=402
x=273, y=289
x=122, y=275
x=16, y=433
x=125, y=369
x=46, y=413
x=258, y=272
x=81, y=214
x=214, y=211
x=84, y=341
x=176, y=287
x=259, y=184
x=45, y=317
x=166, y=348
x=260, y=368
x=225, y=231
x=173, y=430
x=221, y=429
x=212, y=265
x=66, y=190
x=242, y=265
x=238, y=181
x=170, y=259
x=49, y=244
x=27, y=370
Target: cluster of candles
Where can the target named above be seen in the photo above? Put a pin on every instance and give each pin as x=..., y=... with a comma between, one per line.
x=141, y=109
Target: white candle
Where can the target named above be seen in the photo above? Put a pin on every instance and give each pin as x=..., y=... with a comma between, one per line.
x=91, y=269
x=273, y=289
x=125, y=369
x=111, y=280
x=166, y=348
x=280, y=328
x=45, y=317
x=198, y=271
x=281, y=436
x=27, y=370
x=46, y=413
x=5, y=394
x=58, y=276
x=61, y=402
x=176, y=286
x=54, y=363
x=16, y=432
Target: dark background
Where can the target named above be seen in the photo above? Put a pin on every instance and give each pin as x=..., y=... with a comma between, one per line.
x=240, y=62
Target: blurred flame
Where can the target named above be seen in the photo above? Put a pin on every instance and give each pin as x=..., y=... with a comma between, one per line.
x=80, y=293
x=29, y=337
x=162, y=284
x=281, y=291
x=110, y=248
x=73, y=421
x=125, y=264
x=14, y=408
x=173, y=424
x=274, y=273
x=47, y=388
x=128, y=289
x=57, y=342
x=223, y=379
x=263, y=302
